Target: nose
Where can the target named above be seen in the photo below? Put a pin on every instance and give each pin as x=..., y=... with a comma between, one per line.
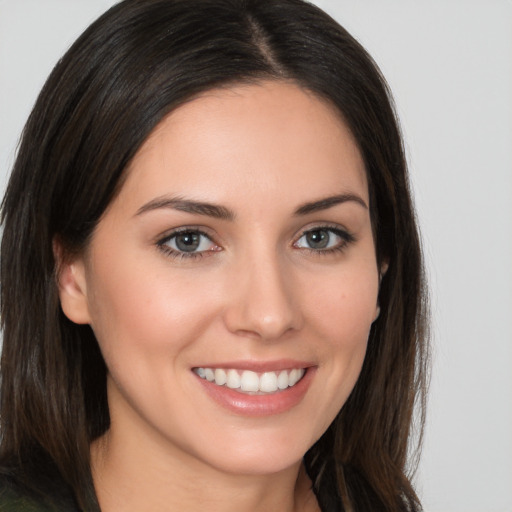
x=264, y=303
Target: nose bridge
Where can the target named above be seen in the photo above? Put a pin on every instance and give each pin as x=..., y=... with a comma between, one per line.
x=263, y=302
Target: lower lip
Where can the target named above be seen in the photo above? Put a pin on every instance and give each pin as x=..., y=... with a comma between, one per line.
x=259, y=405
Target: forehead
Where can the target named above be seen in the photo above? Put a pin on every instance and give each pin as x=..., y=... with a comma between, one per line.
x=273, y=137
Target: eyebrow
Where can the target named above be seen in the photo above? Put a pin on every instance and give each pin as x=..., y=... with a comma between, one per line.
x=328, y=202
x=186, y=205
x=221, y=212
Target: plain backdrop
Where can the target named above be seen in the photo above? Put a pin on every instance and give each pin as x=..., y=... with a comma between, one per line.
x=449, y=64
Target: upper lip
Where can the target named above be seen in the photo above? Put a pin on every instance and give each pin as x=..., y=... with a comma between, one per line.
x=259, y=366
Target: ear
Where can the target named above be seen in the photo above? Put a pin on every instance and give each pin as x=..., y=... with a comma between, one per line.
x=383, y=269
x=377, y=312
x=71, y=282
x=382, y=272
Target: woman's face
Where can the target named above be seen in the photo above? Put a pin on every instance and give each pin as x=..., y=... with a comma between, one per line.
x=239, y=249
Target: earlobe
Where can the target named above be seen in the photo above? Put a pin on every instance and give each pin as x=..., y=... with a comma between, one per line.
x=72, y=287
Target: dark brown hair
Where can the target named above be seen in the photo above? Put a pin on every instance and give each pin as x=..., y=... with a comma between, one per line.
x=127, y=71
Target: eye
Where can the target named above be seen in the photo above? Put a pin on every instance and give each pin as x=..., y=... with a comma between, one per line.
x=188, y=242
x=324, y=239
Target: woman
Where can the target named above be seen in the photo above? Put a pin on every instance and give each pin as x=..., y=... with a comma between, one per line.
x=212, y=290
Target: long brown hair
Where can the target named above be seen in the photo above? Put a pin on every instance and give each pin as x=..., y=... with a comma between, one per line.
x=127, y=71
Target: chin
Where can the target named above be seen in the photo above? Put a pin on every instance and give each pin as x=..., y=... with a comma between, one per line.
x=259, y=454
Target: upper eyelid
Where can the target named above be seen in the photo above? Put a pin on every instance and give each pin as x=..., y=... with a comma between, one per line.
x=168, y=234
x=162, y=243
x=346, y=236
x=325, y=225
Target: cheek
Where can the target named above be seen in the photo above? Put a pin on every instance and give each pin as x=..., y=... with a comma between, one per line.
x=144, y=307
x=147, y=324
x=341, y=313
x=344, y=305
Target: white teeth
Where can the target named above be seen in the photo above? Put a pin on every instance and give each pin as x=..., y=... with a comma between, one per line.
x=282, y=380
x=293, y=377
x=220, y=377
x=268, y=382
x=252, y=382
x=233, y=380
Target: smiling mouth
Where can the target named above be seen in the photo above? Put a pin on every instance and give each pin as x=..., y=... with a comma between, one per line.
x=250, y=382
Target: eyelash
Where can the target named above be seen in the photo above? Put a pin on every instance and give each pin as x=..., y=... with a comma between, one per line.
x=346, y=239
x=168, y=251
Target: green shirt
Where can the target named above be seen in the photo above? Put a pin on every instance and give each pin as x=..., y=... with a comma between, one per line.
x=13, y=501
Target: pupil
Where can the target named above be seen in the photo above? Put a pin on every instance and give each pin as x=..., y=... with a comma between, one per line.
x=187, y=242
x=318, y=239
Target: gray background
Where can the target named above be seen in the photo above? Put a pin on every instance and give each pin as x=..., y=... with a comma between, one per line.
x=449, y=63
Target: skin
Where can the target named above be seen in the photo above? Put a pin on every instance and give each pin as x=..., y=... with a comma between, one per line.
x=256, y=292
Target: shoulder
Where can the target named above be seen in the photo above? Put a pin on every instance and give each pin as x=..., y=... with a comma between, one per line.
x=14, y=499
